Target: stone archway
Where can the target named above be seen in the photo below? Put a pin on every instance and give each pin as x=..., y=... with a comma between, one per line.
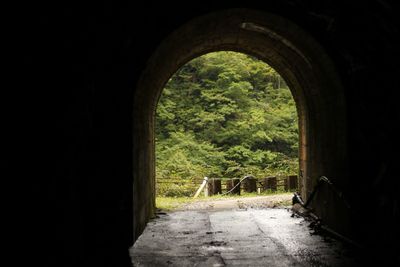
x=293, y=53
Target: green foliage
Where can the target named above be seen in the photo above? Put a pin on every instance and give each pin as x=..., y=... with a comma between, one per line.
x=175, y=190
x=226, y=114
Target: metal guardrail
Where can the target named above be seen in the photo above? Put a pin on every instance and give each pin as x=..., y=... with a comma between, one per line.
x=230, y=185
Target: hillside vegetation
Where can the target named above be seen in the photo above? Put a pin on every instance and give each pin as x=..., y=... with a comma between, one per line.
x=225, y=114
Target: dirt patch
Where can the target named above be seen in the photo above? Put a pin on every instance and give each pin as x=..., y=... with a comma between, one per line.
x=258, y=202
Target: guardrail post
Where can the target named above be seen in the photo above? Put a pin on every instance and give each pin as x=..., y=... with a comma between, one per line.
x=214, y=187
x=232, y=183
x=293, y=182
x=250, y=184
x=217, y=188
x=290, y=183
x=270, y=183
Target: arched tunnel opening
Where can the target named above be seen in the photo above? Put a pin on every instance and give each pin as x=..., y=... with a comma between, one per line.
x=225, y=116
x=210, y=111
x=296, y=56
x=303, y=64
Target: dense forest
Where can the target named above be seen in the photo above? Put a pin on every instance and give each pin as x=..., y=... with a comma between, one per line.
x=226, y=114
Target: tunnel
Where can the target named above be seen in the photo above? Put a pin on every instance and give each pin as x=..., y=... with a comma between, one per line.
x=315, y=86
x=93, y=76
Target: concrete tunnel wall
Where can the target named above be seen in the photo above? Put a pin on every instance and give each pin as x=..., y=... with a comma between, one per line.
x=81, y=71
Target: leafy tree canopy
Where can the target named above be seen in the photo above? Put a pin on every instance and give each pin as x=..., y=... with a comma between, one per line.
x=226, y=114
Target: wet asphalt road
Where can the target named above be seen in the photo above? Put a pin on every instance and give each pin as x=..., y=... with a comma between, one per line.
x=248, y=237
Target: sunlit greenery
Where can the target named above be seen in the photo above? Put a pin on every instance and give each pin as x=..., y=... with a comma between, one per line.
x=226, y=114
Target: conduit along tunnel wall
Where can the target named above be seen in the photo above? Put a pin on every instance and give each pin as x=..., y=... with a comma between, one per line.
x=305, y=67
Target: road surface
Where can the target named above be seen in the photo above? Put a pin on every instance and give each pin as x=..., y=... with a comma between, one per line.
x=235, y=237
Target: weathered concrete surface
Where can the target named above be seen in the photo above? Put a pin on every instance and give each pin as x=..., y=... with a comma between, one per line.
x=241, y=237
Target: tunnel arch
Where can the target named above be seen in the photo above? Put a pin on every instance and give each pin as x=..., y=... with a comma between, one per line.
x=292, y=52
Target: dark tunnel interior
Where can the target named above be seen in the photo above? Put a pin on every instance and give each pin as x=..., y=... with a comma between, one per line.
x=88, y=76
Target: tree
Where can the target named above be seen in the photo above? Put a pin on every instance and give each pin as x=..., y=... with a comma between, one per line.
x=226, y=114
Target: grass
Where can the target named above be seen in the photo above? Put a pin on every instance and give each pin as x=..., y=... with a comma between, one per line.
x=174, y=203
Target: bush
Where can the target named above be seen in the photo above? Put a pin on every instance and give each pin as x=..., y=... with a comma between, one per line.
x=175, y=190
